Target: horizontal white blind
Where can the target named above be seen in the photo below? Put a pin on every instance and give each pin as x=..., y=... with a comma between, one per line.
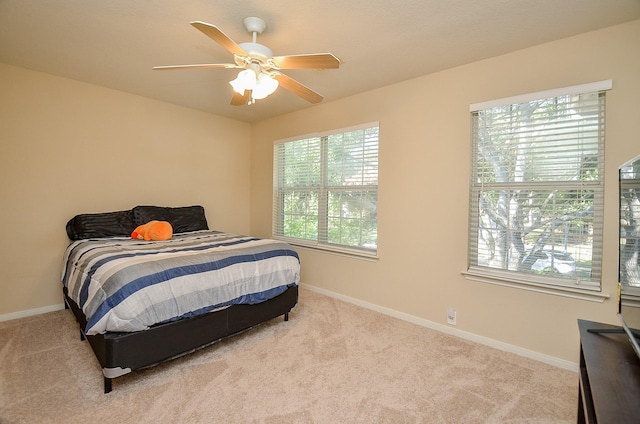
x=536, y=190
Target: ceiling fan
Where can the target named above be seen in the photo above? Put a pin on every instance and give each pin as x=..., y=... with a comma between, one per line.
x=260, y=75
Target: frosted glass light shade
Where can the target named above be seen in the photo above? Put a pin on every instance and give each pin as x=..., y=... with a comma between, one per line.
x=265, y=85
x=246, y=80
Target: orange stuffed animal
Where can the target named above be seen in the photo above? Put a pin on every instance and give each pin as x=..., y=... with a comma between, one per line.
x=153, y=230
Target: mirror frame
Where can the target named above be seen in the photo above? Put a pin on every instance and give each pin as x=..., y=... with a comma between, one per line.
x=629, y=191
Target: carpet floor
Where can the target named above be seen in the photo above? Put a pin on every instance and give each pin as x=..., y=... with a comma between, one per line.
x=332, y=362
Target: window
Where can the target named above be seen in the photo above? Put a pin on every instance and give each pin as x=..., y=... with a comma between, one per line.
x=536, y=191
x=326, y=190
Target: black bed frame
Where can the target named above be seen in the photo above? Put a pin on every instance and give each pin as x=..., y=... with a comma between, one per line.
x=121, y=353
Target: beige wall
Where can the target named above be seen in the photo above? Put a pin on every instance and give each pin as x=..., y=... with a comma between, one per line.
x=67, y=147
x=423, y=188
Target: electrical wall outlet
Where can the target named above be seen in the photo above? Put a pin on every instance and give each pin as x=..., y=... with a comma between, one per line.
x=451, y=316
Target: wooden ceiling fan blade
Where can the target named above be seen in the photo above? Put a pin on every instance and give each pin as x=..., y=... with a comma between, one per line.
x=307, y=61
x=240, y=99
x=196, y=66
x=219, y=37
x=296, y=88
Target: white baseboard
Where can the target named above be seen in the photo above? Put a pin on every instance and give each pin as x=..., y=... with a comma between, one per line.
x=31, y=312
x=550, y=360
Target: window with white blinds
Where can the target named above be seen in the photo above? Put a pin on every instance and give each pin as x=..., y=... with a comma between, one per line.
x=325, y=190
x=536, y=191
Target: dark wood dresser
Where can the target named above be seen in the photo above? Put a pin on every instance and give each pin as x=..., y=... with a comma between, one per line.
x=609, y=377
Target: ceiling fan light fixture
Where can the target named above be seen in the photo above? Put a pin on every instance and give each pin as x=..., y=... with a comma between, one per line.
x=265, y=85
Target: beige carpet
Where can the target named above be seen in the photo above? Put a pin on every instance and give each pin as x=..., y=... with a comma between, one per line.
x=331, y=363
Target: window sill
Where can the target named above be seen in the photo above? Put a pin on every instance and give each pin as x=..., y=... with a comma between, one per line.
x=351, y=253
x=630, y=301
x=580, y=294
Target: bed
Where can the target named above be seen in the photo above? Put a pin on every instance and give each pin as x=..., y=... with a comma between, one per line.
x=139, y=303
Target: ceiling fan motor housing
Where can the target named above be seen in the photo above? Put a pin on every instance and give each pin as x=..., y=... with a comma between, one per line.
x=257, y=50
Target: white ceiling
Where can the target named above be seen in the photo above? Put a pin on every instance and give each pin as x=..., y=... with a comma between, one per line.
x=115, y=43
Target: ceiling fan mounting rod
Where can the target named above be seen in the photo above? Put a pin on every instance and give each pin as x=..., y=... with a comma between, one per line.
x=254, y=26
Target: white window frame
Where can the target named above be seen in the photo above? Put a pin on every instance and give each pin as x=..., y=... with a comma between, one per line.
x=322, y=191
x=586, y=290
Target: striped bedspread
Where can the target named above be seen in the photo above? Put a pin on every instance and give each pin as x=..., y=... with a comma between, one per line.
x=125, y=285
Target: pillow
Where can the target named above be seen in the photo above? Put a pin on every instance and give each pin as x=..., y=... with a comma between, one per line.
x=106, y=224
x=182, y=219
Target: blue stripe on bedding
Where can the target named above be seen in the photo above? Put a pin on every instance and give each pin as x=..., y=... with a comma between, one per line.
x=128, y=285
